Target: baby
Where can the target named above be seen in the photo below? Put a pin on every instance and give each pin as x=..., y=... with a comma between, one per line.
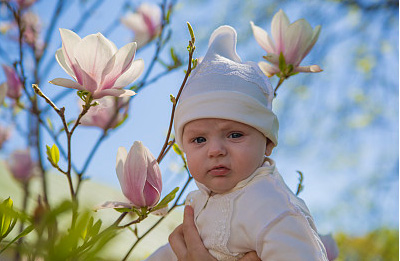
x=225, y=125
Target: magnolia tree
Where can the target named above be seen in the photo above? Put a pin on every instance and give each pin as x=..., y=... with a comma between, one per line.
x=105, y=79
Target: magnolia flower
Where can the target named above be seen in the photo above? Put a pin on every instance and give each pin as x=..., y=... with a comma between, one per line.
x=145, y=23
x=139, y=175
x=97, y=65
x=32, y=28
x=294, y=41
x=13, y=84
x=21, y=165
x=5, y=134
x=330, y=245
x=103, y=115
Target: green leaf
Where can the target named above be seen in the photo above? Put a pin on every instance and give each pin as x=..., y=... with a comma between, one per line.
x=177, y=150
x=191, y=32
x=8, y=218
x=164, y=202
x=300, y=187
x=122, y=210
x=173, y=99
x=22, y=234
x=53, y=154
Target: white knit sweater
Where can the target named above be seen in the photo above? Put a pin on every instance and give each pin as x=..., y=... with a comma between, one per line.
x=259, y=214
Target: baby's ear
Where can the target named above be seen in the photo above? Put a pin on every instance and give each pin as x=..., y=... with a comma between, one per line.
x=268, y=149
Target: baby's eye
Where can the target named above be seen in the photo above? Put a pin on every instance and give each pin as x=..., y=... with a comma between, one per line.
x=199, y=140
x=235, y=135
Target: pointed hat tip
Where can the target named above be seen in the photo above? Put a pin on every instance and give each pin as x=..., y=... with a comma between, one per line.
x=223, y=42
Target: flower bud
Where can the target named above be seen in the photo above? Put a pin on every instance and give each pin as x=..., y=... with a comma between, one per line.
x=139, y=175
x=21, y=165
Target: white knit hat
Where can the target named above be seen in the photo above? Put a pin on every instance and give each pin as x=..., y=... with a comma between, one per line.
x=223, y=87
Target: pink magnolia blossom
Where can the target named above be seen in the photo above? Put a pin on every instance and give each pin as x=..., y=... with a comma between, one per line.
x=139, y=175
x=97, y=65
x=13, y=84
x=102, y=114
x=25, y=3
x=145, y=23
x=294, y=41
x=330, y=245
x=21, y=165
x=5, y=134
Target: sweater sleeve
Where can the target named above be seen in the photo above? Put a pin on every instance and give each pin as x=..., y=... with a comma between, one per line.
x=164, y=253
x=290, y=237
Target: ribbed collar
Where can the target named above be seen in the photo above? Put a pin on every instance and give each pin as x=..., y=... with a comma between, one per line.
x=267, y=168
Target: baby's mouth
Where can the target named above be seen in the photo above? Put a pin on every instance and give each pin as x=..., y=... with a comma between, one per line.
x=219, y=171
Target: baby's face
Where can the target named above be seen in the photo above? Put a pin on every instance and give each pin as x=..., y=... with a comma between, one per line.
x=221, y=153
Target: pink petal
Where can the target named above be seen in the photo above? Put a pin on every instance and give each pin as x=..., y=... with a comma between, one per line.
x=85, y=79
x=263, y=39
x=153, y=171
x=151, y=195
x=118, y=64
x=135, y=171
x=131, y=74
x=66, y=83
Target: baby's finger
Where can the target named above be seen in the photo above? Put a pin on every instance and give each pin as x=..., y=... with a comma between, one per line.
x=177, y=242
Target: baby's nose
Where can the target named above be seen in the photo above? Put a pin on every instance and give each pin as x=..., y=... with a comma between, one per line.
x=216, y=148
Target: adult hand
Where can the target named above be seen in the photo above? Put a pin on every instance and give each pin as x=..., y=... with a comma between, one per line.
x=186, y=243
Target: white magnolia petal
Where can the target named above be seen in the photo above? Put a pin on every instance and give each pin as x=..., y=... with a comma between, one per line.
x=93, y=54
x=313, y=40
x=279, y=25
x=62, y=62
x=113, y=92
x=118, y=64
x=119, y=168
x=67, y=83
x=69, y=40
x=135, y=22
x=310, y=68
x=262, y=38
x=268, y=69
x=113, y=204
x=131, y=74
x=297, y=39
